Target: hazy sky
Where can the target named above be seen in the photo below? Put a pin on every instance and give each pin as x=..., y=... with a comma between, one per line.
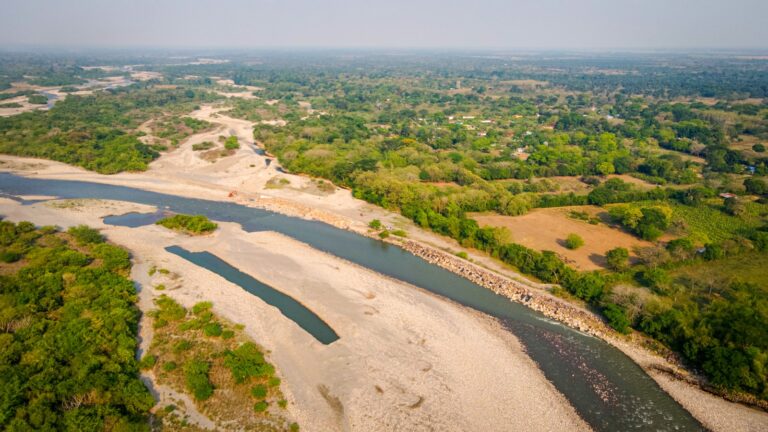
x=533, y=24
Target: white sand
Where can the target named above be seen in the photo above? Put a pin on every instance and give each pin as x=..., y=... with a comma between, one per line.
x=406, y=360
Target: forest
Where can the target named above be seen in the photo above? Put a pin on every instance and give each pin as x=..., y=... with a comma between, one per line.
x=68, y=328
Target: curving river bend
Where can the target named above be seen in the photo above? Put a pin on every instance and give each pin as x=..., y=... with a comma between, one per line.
x=605, y=387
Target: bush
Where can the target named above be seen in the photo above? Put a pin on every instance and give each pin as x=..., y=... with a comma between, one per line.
x=375, y=224
x=205, y=145
x=168, y=310
x=85, y=235
x=196, y=375
x=170, y=366
x=259, y=392
x=201, y=307
x=182, y=345
x=574, y=241
x=400, y=233
x=197, y=224
x=713, y=251
x=37, y=99
x=212, y=329
x=9, y=256
x=260, y=406
x=462, y=254
x=617, y=258
x=617, y=317
x=247, y=361
x=758, y=148
x=384, y=234
x=654, y=278
x=756, y=186
x=231, y=143
x=147, y=362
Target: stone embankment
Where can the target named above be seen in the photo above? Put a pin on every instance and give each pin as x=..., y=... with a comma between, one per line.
x=518, y=292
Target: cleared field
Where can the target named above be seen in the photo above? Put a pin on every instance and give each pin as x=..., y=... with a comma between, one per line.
x=547, y=229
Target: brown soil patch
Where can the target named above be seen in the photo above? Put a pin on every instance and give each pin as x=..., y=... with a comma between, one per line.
x=546, y=229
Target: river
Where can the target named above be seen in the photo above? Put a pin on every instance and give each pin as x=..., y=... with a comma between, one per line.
x=606, y=387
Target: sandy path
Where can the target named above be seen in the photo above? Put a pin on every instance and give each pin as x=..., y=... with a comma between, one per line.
x=406, y=360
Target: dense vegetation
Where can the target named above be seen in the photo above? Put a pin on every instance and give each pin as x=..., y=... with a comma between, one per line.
x=98, y=132
x=68, y=328
x=196, y=225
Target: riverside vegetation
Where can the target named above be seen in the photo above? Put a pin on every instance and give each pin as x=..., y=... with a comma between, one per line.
x=228, y=376
x=670, y=148
x=68, y=328
x=189, y=224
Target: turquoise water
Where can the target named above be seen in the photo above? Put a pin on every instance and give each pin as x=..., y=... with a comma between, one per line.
x=605, y=387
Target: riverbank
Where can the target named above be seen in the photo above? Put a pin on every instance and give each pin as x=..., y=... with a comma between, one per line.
x=242, y=178
x=406, y=360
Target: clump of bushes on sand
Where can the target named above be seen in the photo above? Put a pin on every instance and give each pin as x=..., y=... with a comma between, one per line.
x=197, y=224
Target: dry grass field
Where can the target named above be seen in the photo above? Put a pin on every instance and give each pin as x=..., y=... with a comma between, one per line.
x=546, y=229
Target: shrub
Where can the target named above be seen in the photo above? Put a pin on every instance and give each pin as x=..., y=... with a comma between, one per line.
x=182, y=345
x=9, y=256
x=37, y=99
x=574, y=241
x=227, y=334
x=756, y=186
x=201, y=307
x=260, y=406
x=384, y=234
x=170, y=366
x=713, y=251
x=196, y=375
x=375, y=224
x=85, y=235
x=758, y=148
x=617, y=258
x=197, y=224
x=617, y=317
x=147, y=362
x=462, y=254
x=231, y=143
x=400, y=233
x=654, y=277
x=273, y=382
x=259, y=392
x=247, y=361
x=168, y=309
x=205, y=145
x=212, y=329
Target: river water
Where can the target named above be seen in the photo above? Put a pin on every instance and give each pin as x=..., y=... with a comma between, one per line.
x=605, y=387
